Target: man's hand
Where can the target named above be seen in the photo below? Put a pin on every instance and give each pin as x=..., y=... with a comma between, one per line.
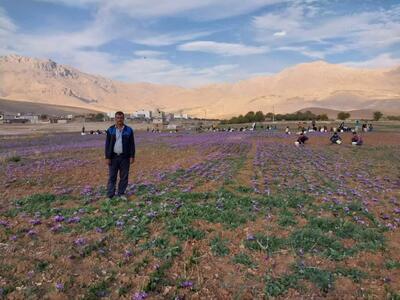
x=108, y=161
x=132, y=160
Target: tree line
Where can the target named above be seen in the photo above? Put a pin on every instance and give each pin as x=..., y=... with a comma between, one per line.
x=259, y=116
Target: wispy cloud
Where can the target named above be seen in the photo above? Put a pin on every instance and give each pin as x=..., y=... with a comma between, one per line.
x=148, y=53
x=153, y=69
x=226, y=49
x=136, y=40
x=7, y=30
x=359, y=31
x=167, y=39
x=198, y=9
x=385, y=60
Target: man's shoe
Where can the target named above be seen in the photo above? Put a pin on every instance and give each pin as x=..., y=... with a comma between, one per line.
x=123, y=197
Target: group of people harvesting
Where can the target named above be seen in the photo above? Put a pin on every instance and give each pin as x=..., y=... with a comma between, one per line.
x=356, y=139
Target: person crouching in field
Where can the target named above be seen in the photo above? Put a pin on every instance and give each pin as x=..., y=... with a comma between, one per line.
x=119, y=154
x=356, y=140
x=301, y=139
x=335, y=138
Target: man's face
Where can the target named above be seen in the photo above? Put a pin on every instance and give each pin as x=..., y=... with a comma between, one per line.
x=119, y=120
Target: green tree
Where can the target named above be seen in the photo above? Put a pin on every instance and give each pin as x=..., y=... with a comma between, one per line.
x=250, y=116
x=323, y=117
x=343, y=115
x=377, y=115
x=259, y=116
x=269, y=116
x=99, y=117
x=241, y=119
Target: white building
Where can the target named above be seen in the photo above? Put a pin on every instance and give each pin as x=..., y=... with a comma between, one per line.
x=158, y=114
x=33, y=119
x=158, y=121
x=181, y=116
x=169, y=117
x=142, y=114
x=111, y=114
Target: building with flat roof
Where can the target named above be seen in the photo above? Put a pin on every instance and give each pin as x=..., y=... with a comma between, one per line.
x=142, y=114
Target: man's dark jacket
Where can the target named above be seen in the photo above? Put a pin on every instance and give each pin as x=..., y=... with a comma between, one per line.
x=128, y=142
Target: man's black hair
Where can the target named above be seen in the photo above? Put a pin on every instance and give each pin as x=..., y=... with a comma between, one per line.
x=119, y=113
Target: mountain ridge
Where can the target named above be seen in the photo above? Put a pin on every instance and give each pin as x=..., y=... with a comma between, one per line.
x=312, y=84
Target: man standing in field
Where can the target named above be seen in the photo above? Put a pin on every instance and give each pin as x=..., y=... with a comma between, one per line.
x=120, y=154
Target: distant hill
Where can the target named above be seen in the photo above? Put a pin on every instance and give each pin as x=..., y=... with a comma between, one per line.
x=314, y=84
x=14, y=107
x=332, y=113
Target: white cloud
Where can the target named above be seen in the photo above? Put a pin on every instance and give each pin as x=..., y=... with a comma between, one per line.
x=198, y=9
x=304, y=51
x=306, y=25
x=152, y=39
x=385, y=60
x=226, y=49
x=6, y=24
x=78, y=3
x=148, y=53
x=280, y=33
x=155, y=70
x=7, y=30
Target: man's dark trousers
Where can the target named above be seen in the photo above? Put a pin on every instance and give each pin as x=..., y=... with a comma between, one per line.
x=118, y=164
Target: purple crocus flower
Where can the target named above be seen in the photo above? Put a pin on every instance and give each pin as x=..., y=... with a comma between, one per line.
x=187, y=284
x=35, y=222
x=59, y=286
x=152, y=214
x=56, y=228
x=58, y=218
x=73, y=220
x=385, y=217
x=4, y=223
x=387, y=279
x=31, y=232
x=80, y=242
x=119, y=223
x=250, y=237
x=99, y=230
x=13, y=238
x=128, y=253
x=139, y=296
x=390, y=226
x=87, y=190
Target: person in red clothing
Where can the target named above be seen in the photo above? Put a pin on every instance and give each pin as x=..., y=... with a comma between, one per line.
x=356, y=140
x=301, y=139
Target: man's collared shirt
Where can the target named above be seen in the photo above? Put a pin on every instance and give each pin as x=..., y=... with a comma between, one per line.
x=118, y=140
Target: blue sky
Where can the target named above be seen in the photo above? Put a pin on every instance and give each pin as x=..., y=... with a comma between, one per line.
x=196, y=42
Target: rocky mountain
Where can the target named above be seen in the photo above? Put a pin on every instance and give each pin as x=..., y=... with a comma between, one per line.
x=316, y=84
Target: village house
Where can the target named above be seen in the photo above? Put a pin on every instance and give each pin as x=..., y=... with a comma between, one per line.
x=142, y=114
